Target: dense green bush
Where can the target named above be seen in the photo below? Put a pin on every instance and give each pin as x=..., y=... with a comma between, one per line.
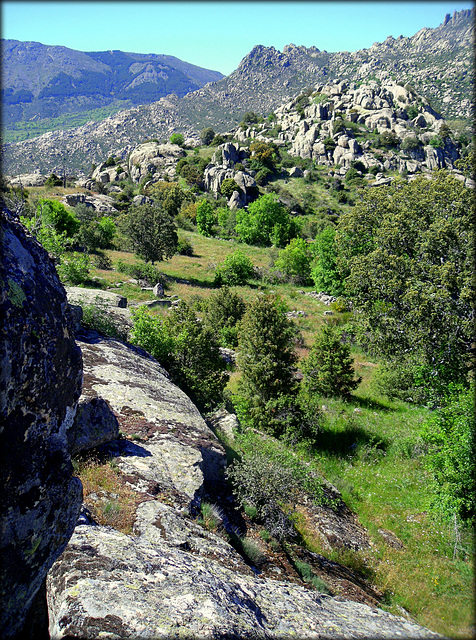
x=294, y=261
x=235, y=270
x=228, y=186
x=450, y=460
x=147, y=272
x=206, y=218
x=325, y=272
x=207, y=135
x=224, y=311
x=187, y=349
x=74, y=267
x=177, y=138
x=265, y=222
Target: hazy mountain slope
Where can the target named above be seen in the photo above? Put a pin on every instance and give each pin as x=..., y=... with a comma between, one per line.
x=41, y=81
x=437, y=61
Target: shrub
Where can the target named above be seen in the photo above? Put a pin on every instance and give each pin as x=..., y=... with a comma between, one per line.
x=228, y=186
x=177, y=138
x=328, y=370
x=207, y=135
x=410, y=143
x=235, y=270
x=206, y=218
x=53, y=181
x=96, y=317
x=74, y=267
x=149, y=333
x=258, y=481
x=295, y=261
x=325, y=272
x=147, y=272
x=184, y=247
x=224, y=311
x=196, y=363
x=449, y=434
x=265, y=222
x=437, y=142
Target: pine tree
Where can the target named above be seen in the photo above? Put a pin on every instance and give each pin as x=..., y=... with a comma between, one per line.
x=266, y=358
x=328, y=370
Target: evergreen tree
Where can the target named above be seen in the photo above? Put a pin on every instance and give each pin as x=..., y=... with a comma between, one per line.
x=266, y=358
x=328, y=370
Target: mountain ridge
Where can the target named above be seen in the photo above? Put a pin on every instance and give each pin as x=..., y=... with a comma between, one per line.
x=264, y=79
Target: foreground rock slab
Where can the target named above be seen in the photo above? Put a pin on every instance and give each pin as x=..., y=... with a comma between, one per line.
x=111, y=585
x=172, y=449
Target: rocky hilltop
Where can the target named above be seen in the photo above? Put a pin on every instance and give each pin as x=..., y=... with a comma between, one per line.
x=436, y=63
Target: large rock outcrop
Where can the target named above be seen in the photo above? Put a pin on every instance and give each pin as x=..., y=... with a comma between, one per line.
x=111, y=585
x=40, y=383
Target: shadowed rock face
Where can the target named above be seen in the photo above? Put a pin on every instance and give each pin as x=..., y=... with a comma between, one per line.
x=40, y=383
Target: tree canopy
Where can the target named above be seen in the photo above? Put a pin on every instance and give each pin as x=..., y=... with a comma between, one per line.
x=265, y=222
x=408, y=249
x=151, y=232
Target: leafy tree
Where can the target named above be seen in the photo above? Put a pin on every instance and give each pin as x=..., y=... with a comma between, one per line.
x=192, y=175
x=168, y=195
x=177, y=138
x=74, y=267
x=264, y=153
x=228, y=186
x=55, y=214
x=266, y=358
x=450, y=459
x=53, y=181
x=206, y=218
x=151, y=231
x=196, y=364
x=408, y=249
x=266, y=221
x=235, y=270
x=389, y=139
x=325, y=273
x=207, y=135
x=249, y=118
x=295, y=261
x=224, y=311
x=328, y=370
x=187, y=349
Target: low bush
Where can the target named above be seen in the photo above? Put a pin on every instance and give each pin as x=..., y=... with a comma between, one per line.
x=235, y=270
x=74, y=267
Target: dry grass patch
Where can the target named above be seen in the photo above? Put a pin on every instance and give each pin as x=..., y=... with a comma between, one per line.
x=106, y=494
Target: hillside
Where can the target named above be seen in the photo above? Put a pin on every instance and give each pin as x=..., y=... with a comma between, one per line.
x=43, y=85
x=436, y=62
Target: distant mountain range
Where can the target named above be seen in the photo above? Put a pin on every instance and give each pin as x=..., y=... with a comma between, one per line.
x=41, y=81
x=438, y=63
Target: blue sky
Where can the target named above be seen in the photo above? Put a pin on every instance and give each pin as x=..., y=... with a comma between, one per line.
x=217, y=35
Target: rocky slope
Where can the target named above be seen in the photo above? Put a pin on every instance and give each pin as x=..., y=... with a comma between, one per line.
x=438, y=62
x=171, y=576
